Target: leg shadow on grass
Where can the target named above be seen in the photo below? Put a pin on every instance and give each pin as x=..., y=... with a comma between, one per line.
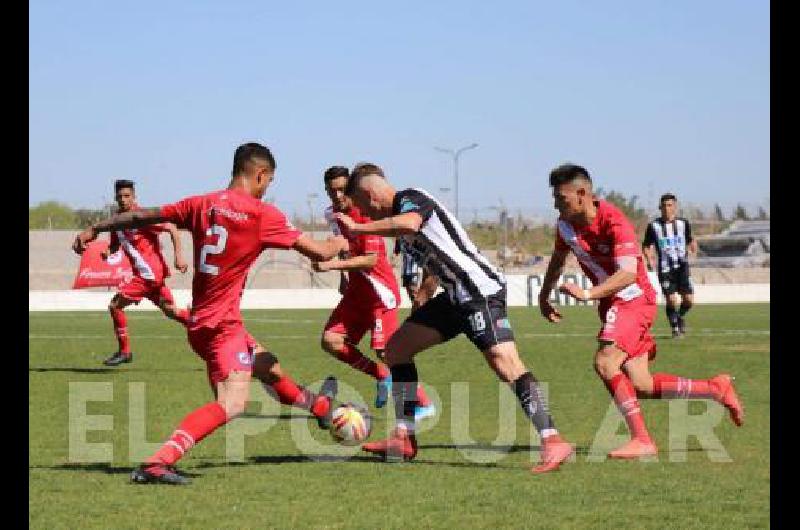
x=75, y=370
x=99, y=467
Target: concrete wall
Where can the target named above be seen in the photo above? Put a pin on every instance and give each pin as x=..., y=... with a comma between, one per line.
x=52, y=266
x=522, y=291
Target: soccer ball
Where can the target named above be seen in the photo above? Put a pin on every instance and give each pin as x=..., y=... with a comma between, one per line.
x=350, y=424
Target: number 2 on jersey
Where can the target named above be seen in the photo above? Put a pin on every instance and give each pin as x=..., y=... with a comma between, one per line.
x=213, y=249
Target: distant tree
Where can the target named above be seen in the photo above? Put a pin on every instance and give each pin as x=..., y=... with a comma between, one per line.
x=740, y=213
x=718, y=213
x=51, y=215
x=84, y=217
x=636, y=214
x=762, y=214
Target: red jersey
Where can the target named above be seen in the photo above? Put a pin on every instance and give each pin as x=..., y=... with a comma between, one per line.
x=229, y=229
x=610, y=236
x=143, y=249
x=377, y=284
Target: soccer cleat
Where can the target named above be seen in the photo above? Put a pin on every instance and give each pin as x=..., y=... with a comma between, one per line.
x=119, y=358
x=384, y=388
x=399, y=446
x=555, y=450
x=682, y=326
x=420, y=412
x=726, y=394
x=676, y=333
x=158, y=474
x=635, y=448
x=329, y=389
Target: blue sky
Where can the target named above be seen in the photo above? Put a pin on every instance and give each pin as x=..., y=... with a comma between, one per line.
x=649, y=96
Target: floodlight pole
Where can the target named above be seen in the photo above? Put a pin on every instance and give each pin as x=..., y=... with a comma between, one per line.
x=455, y=154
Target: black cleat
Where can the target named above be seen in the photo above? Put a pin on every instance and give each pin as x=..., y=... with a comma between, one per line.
x=682, y=326
x=118, y=358
x=158, y=474
x=329, y=389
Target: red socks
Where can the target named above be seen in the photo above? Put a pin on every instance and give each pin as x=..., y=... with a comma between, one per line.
x=121, y=329
x=667, y=386
x=350, y=355
x=422, y=398
x=290, y=394
x=195, y=426
x=182, y=316
x=624, y=396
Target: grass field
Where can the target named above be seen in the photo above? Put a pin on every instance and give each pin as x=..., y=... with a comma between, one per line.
x=457, y=481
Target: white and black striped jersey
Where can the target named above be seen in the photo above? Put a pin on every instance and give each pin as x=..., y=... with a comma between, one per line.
x=410, y=271
x=671, y=239
x=443, y=247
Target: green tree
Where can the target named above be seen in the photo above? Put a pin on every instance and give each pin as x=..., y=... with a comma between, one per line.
x=636, y=214
x=740, y=213
x=718, y=213
x=51, y=215
x=762, y=214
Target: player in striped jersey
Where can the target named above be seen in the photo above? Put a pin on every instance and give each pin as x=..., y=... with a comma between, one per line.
x=370, y=300
x=671, y=237
x=143, y=249
x=604, y=242
x=473, y=303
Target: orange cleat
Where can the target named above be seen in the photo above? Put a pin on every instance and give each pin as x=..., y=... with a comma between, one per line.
x=399, y=446
x=635, y=448
x=726, y=394
x=555, y=450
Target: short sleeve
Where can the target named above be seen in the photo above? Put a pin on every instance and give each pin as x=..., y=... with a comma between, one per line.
x=178, y=213
x=411, y=200
x=623, y=237
x=650, y=235
x=689, y=237
x=276, y=231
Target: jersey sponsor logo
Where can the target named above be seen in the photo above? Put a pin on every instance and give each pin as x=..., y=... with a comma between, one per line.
x=245, y=358
x=407, y=205
x=230, y=214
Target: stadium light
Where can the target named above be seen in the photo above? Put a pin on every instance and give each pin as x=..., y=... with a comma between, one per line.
x=455, y=154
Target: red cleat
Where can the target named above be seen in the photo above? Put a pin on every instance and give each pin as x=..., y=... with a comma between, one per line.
x=726, y=394
x=555, y=450
x=635, y=448
x=399, y=446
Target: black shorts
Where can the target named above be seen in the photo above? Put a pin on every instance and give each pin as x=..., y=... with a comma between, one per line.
x=484, y=322
x=676, y=281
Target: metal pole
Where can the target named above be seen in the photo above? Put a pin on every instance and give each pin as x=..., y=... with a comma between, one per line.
x=455, y=178
x=455, y=154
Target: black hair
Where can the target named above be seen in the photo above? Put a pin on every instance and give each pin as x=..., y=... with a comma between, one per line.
x=334, y=172
x=361, y=170
x=248, y=152
x=123, y=183
x=567, y=173
x=667, y=197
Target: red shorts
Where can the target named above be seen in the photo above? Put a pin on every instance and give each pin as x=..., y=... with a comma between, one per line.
x=137, y=288
x=353, y=320
x=225, y=348
x=627, y=324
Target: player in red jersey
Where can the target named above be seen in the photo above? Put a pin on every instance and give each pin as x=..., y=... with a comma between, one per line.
x=604, y=242
x=149, y=271
x=229, y=228
x=370, y=299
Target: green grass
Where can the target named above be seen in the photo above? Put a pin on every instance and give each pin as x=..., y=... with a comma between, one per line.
x=450, y=485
